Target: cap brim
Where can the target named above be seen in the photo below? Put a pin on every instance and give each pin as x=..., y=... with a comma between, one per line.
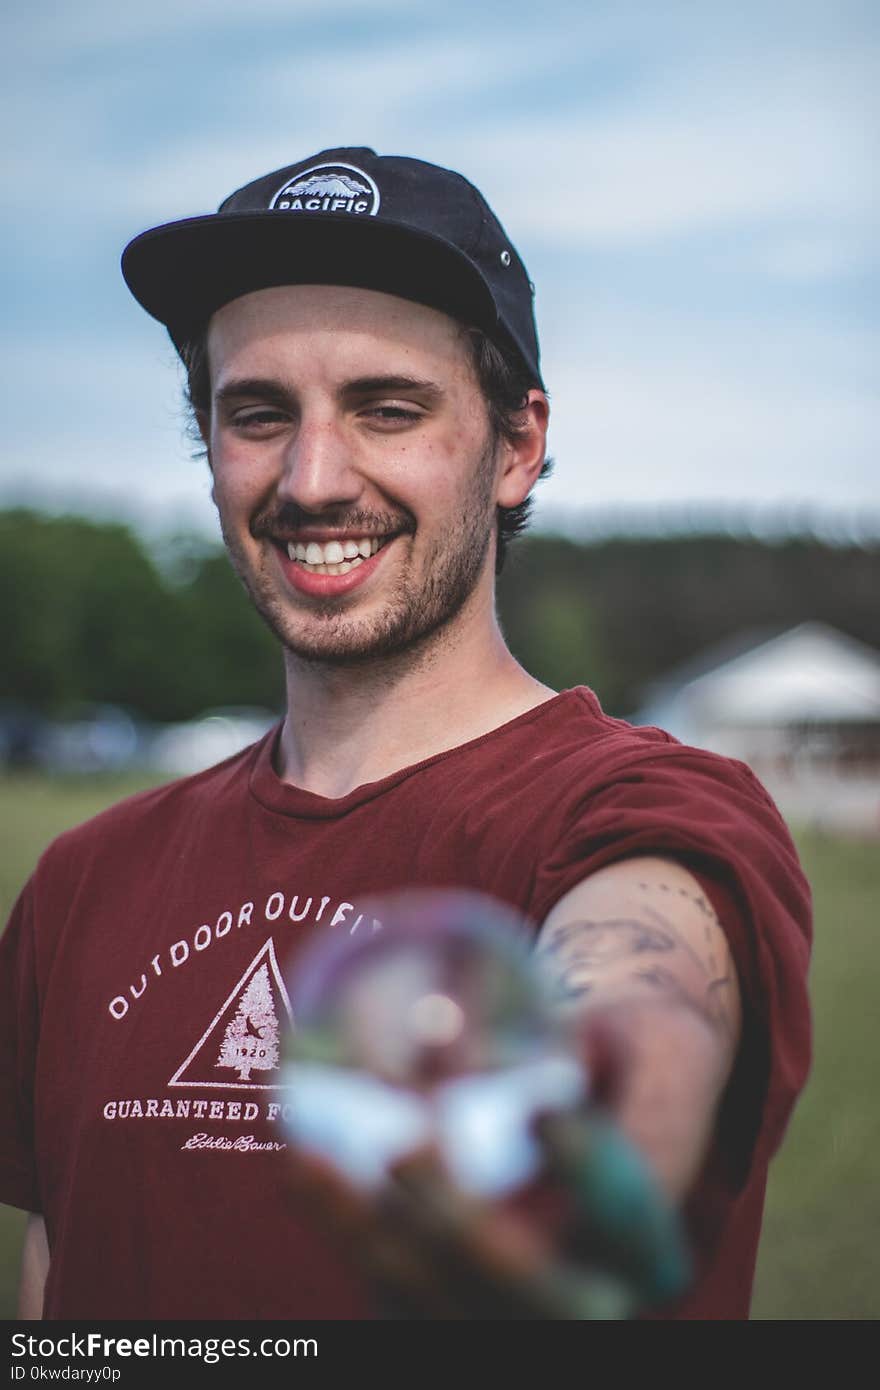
x=183, y=272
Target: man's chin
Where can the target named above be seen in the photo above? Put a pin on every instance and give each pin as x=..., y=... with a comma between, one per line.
x=352, y=652
x=333, y=643
x=355, y=646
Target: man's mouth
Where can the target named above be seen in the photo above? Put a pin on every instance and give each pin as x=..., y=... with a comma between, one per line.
x=334, y=556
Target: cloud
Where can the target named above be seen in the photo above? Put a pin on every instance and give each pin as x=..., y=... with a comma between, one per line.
x=671, y=431
x=787, y=142
x=379, y=98
x=810, y=258
x=93, y=25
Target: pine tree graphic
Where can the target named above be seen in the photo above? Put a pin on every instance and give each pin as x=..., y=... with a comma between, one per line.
x=251, y=1039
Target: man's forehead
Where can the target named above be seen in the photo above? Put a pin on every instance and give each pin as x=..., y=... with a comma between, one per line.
x=338, y=322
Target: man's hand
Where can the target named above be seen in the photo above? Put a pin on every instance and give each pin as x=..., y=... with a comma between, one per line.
x=429, y=1250
x=591, y=1241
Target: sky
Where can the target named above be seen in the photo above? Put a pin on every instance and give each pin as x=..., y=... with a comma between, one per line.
x=692, y=185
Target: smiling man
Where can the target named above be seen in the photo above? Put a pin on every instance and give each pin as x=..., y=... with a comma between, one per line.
x=362, y=359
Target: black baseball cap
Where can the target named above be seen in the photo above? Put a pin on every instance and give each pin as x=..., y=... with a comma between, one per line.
x=343, y=217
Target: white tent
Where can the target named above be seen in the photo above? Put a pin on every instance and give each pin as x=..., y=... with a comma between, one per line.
x=802, y=708
x=810, y=675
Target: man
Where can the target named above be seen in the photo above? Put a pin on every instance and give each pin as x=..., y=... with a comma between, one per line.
x=363, y=365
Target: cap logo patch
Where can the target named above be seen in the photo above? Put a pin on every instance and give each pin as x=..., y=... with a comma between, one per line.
x=340, y=188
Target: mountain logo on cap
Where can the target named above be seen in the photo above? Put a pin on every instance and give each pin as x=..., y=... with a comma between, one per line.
x=339, y=188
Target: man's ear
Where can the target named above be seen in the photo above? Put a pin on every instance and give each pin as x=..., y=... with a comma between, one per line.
x=523, y=455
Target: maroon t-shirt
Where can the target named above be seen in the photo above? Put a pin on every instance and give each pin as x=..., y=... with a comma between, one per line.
x=157, y=1155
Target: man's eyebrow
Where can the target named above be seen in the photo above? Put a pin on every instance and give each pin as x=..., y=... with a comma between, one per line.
x=275, y=391
x=390, y=385
x=264, y=388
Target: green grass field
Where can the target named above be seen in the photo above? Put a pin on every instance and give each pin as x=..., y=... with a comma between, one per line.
x=818, y=1255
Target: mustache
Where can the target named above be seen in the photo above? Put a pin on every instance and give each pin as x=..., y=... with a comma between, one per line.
x=283, y=521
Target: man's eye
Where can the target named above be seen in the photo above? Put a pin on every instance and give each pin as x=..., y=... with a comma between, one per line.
x=392, y=413
x=256, y=418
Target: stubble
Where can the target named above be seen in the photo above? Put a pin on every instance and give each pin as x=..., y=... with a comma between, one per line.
x=418, y=609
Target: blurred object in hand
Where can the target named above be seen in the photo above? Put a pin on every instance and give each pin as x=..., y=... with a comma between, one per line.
x=432, y=1030
x=442, y=1121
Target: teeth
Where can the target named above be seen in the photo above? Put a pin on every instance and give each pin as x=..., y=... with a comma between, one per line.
x=333, y=557
x=342, y=567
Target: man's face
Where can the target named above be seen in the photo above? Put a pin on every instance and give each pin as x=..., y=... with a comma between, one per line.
x=354, y=470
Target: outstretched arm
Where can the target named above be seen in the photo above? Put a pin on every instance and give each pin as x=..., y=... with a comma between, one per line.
x=636, y=951
x=637, y=954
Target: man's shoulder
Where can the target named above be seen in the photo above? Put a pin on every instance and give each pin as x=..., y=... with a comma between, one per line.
x=578, y=712
x=579, y=751
x=575, y=728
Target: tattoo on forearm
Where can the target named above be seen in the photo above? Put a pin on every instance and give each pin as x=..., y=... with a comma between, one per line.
x=607, y=940
x=666, y=985
x=697, y=898
x=591, y=958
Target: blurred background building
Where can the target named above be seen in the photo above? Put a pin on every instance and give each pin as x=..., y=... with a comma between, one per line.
x=802, y=709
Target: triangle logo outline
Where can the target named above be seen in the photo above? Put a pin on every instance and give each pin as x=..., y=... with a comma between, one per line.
x=264, y=964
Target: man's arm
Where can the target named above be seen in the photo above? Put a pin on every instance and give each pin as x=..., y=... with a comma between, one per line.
x=637, y=951
x=34, y=1269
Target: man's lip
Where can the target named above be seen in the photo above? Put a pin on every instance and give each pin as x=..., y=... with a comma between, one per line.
x=328, y=585
x=322, y=535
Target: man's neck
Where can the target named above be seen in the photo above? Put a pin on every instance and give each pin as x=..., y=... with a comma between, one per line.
x=347, y=726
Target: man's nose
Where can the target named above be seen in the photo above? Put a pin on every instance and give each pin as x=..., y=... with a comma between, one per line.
x=319, y=471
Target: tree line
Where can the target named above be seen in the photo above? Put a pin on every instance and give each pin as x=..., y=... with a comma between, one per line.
x=93, y=615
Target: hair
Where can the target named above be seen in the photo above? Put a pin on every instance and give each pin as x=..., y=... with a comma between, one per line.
x=503, y=379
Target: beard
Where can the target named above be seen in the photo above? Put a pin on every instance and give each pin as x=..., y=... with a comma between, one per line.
x=413, y=612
